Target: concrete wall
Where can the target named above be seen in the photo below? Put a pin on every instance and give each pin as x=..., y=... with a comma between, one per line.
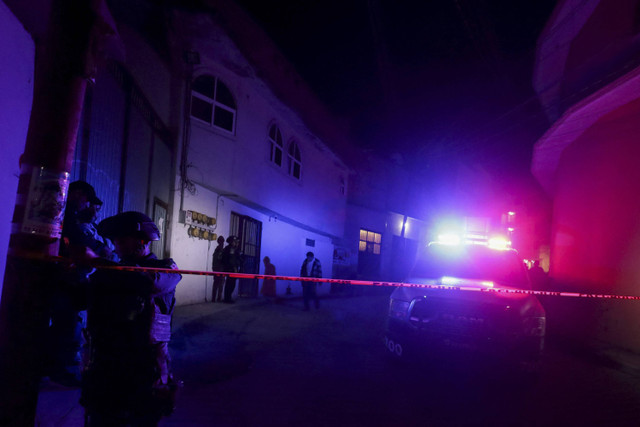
x=17, y=52
x=149, y=71
x=596, y=226
x=388, y=224
x=291, y=210
x=585, y=46
x=240, y=163
x=283, y=243
x=236, y=167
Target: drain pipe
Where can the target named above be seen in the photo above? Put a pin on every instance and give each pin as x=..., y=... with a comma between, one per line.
x=191, y=58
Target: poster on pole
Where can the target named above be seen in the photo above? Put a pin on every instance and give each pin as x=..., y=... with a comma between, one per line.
x=44, y=208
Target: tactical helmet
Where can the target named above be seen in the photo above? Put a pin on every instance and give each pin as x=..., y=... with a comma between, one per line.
x=133, y=224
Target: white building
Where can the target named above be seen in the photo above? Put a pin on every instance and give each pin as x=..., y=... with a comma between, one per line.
x=200, y=122
x=186, y=125
x=254, y=165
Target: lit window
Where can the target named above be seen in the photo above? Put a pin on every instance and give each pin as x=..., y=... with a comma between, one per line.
x=213, y=103
x=275, y=145
x=295, y=161
x=370, y=242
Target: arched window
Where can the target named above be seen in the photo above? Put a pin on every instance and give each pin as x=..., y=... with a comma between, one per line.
x=275, y=145
x=213, y=103
x=295, y=161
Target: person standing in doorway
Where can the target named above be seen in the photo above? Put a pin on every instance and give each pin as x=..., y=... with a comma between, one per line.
x=217, y=265
x=268, y=284
x=232, y=262
x=311, y=267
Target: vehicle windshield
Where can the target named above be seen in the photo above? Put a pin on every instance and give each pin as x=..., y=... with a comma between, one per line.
x=472, y=262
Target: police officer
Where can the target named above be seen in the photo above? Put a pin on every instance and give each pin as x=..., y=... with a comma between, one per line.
x=68, y=299
x=311, y=267
x=232, y=262
x=217, y=265
x=128, y=379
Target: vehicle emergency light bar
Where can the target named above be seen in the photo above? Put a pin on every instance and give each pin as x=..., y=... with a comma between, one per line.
x=453, y=239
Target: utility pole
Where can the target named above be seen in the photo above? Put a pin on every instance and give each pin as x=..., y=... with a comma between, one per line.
x=66, y=60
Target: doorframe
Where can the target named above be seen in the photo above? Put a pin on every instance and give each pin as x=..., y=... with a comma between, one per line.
x=239, y=227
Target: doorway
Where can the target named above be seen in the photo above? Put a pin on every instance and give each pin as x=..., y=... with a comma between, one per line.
x=249, y=231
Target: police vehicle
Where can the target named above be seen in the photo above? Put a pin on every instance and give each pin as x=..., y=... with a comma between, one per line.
x=474, y=306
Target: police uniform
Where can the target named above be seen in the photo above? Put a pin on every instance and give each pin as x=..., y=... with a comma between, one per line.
x=309, y=288
x=232, y=262
x=68, y=299
x=128, y=379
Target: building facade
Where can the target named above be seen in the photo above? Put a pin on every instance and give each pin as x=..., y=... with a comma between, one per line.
x=588, y=78
x=199, y=121
x=186, y=128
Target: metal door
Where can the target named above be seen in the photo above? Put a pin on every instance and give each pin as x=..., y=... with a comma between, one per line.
x=249, y=231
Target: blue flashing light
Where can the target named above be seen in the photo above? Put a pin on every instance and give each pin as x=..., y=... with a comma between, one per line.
x=450, y=239
x=453, y=281
x=447, y=280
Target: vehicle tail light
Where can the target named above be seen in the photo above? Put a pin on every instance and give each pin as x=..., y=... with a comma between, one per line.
x=398, y=309
x=499, y=243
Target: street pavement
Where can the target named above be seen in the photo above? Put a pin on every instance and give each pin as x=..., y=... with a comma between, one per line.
x=198, y=353
x=58, y=405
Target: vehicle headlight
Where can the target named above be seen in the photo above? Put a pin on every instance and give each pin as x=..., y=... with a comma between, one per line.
x=398, y=309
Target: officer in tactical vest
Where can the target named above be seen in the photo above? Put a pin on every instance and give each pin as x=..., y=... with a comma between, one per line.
x=128, y=379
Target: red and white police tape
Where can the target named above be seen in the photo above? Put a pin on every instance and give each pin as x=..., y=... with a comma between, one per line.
x=341, y=281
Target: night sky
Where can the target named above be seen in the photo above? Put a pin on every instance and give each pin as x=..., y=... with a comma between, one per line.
x=431, y=80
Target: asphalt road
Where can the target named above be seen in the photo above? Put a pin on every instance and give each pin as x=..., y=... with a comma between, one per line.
x=261, y=363
x=272, y=364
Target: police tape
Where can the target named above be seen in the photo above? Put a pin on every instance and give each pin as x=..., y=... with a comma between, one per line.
x=483, y=289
